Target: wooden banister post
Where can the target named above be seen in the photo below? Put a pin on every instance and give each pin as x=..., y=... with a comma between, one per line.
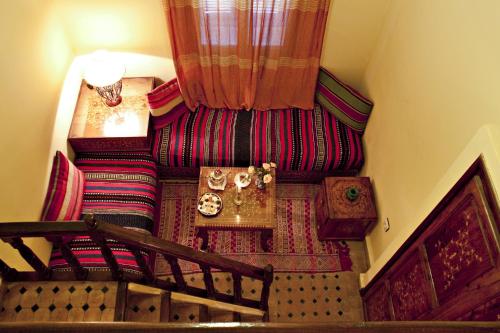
x=121, y=301
x=80, y=272
x=266, y=284
x=101, y=241
x=139, y=258
x=90, y=221
x=177, y=272
x=7, y=272
x=43, y=271
x=209, y=282
x=237, y=294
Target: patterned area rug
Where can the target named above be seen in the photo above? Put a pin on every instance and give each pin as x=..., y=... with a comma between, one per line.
x=294, y=248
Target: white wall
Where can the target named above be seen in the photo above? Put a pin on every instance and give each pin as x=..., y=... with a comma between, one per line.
x=39, y=40
x=116, y=25
x=352, y=31
x=433, y=78
x=33, y=61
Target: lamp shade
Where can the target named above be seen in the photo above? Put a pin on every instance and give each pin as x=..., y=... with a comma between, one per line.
x=105, y=74
x=103, y=70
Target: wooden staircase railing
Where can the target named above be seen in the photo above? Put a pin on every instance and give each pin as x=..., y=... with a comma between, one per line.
x=101, y=232
x=332, y=327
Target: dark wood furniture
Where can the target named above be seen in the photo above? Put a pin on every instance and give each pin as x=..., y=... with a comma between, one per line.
x=256, y=213
x=98, y=127
x=337, y=216
x=249, y=327
x=449, y=269
x=136, y=242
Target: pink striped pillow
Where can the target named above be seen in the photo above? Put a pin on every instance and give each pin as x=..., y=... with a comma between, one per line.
x=166, y=103
x=63, y=200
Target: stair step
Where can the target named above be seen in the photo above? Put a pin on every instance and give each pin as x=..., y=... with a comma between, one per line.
x=145, y=305
x=212, y=304
x=222, y=316
x=186, y=313
x=95, y=301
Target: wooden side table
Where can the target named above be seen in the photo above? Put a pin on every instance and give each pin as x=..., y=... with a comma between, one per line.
x=98, y=127
x=339, y=217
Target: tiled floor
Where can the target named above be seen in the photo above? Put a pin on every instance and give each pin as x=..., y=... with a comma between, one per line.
x=58, y=301
x=294, y=297
x=297, y=297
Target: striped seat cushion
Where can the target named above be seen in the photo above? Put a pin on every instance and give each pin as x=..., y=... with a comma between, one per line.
x=90, y=256
x=205, y=137
x=345, y=103
x=304, y=140
x=120, y=188
x=166, y=103
x=63, y=200
x=297, y=140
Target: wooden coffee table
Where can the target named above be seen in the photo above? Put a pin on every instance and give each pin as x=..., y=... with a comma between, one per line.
x=256, y=213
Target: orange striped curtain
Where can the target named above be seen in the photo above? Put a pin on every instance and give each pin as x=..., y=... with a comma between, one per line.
x=261, y=54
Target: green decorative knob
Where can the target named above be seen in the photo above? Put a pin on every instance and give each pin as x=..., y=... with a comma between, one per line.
x=352, y=193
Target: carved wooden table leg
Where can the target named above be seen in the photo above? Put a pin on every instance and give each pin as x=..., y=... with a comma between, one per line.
x=203, y=234
x=265, y=236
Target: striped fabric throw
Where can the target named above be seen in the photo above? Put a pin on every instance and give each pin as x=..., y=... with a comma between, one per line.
x=120, y=188
x=297, y=140
x=166, y=103
x=345, y=103
x=63, y=200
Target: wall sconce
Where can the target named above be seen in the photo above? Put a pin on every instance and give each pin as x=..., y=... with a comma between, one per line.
x=105, y=74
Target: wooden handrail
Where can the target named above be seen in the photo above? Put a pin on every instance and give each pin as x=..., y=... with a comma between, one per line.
x=143, y=241
x=129, y=237
x=333, y=327
x=137, y=242
x=43, y=229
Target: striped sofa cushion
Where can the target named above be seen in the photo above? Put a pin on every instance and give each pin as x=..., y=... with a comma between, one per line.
x=90, y=256
x=305, y=140
x=345, y=103
x=63, y=200
x=166, y=103
x=204, y=137
x=120, y=188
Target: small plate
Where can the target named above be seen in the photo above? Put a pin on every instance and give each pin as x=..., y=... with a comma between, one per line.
x=243, y=179
x=209, y=204
x=220, y=187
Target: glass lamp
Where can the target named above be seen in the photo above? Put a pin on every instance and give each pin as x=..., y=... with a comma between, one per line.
x=105, y=74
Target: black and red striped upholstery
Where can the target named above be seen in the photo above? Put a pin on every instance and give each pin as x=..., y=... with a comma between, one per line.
x=297, y=140
x=120, y=188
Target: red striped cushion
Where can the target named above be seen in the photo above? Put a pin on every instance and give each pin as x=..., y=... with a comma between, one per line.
x=90, y=256
x=345, y=103
x=63, y=200
x=119, y=187
x=304, y=140
x=297, y=140
x=205, y=137
x=166, y=103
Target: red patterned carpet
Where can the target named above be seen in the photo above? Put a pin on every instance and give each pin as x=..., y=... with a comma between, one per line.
x=295, y=245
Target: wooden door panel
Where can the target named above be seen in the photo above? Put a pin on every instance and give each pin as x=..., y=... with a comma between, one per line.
x=459, y=250
x=410, y=289
x=449, y=268
x=489, y=311
x=377, y=306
